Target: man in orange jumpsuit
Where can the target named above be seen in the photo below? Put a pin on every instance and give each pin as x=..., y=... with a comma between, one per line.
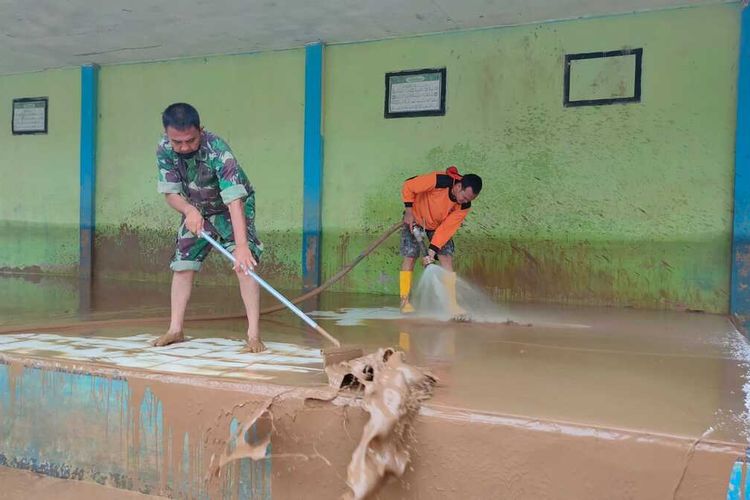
x=438, y=202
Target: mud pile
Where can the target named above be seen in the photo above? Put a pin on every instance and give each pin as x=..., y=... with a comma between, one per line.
x=393, y=394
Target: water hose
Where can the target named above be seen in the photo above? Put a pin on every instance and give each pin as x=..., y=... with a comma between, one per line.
x=46, y=327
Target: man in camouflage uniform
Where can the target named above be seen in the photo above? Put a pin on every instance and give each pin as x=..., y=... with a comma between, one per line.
x=201, y=179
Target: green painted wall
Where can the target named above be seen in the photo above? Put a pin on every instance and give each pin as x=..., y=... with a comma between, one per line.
x=623, y=204
x=39, y=186
x=255, y=102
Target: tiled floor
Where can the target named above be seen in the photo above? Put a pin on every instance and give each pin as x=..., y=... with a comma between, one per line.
x=214, y=357
x=658, y=371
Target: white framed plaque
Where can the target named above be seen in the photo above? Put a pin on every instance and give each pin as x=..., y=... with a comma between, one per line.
x=419, y=92
x=29, y=115
x=601, y=78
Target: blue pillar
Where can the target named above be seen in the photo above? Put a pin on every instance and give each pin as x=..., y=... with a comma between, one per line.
x=89, y=79
x=313, y=166
x=740, y=291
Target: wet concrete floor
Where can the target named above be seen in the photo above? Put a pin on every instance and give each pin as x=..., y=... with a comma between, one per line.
x=670, y=373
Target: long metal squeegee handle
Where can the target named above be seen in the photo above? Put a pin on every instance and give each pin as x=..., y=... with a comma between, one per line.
x=304, y=317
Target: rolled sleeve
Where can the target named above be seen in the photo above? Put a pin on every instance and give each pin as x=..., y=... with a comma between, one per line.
x=185, y=265
x=233, y=192
x=169, y=187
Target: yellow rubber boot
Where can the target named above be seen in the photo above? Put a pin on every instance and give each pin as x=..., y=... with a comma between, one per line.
x=458, y=313
x=404, y=283
x=404, y=341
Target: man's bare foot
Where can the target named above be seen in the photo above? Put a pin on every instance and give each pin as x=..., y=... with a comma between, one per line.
x=458, y=313
x=461, y=318
x=168, y=338
x=254, y=345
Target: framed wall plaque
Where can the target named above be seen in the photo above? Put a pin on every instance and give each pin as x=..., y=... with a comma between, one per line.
x=419, y=92
x=29, y=116
x=600, y=78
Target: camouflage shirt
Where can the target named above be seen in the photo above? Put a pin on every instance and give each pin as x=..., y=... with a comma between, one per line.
x=209, y=180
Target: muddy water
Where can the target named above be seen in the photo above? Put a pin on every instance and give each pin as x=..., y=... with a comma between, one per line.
x=666, y=374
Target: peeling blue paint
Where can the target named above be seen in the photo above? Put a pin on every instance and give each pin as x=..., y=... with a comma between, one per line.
x=79, y=426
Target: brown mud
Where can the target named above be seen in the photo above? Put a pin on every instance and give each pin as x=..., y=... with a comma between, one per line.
x=459, y=452
x=587, y=403
x=393, y=394
x=23, y=485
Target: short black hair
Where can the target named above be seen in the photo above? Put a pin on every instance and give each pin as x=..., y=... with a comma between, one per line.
x=180, y=116
x=472, y=181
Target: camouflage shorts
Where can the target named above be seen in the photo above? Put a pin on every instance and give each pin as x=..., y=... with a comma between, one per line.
x=192, y=250
x=410, y=245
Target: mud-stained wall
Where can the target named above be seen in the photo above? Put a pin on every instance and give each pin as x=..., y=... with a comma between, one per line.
x=123, y=433
x=622, y=204
x=33, y=296
x=619, y=205
x=255, y=102
x=162, y=435
x=39, y=176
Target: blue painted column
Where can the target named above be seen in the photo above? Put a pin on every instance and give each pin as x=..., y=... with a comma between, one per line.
x=740, y=291
x=87, y=222
x=313, y=166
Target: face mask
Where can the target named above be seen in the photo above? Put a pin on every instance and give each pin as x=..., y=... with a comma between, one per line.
x=187, y=156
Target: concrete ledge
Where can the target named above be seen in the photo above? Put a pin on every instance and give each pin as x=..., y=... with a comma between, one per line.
x=156, y=433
